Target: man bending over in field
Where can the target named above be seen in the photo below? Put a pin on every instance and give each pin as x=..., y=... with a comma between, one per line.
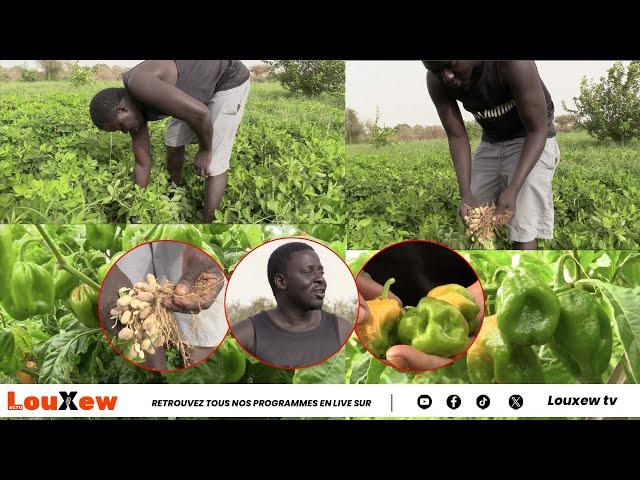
x=206, y=99
x=517, y=157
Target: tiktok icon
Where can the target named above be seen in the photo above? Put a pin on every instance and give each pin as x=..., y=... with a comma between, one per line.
x=483, y=401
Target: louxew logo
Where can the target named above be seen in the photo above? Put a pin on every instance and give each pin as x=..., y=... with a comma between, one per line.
x=66, y=401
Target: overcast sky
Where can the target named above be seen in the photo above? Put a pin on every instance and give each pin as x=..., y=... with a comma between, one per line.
x=249, y=279
x=122, y=63
x=399, y=88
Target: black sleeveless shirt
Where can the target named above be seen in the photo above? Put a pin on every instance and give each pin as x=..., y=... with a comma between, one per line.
x=493, y=106
x=200, y=79
x=288, y=349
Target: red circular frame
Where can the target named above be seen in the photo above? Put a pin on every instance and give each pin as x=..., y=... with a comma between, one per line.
x=280, y=366
x=453, y=359
x=110, y=339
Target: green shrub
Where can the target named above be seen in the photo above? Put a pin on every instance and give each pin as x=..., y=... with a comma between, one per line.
x=29, y=75
x=610, y=109
x=310, y=77
x=82, y=76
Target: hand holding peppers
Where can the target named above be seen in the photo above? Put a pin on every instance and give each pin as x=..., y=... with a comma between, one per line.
x=414, y=339
x=435, y=327
x=462, y=299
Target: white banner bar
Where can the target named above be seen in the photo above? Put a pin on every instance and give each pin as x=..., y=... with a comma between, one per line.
x=335, y=401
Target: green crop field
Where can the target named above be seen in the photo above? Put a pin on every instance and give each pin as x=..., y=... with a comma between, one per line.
x=409, y=190
x=56, y=167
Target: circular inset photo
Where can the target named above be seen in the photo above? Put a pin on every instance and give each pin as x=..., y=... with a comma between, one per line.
x=291, y=303
x=421, y=305
x=161, y=305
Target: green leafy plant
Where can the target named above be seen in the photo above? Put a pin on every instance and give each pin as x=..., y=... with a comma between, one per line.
x=379, y=136
x=29, y=75
x=310, y=77
x=81, y=76
x=610, y=108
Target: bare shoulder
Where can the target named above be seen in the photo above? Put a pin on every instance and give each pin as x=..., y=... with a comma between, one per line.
x=154, y=66
x=143, y=75
x=511, y=70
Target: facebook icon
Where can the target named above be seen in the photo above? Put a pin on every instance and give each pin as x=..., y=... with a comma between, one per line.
x=453, y=401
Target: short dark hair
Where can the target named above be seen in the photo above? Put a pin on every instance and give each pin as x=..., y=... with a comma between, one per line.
x=103, y=105
x=434, y=64
x=279, y=258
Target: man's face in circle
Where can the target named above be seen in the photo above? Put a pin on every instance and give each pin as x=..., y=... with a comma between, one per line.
x=305, y=282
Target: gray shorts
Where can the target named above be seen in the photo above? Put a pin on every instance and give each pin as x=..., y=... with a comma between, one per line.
x=227, y=108
x=492, y=169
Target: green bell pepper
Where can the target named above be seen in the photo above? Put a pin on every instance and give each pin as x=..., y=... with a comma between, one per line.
x=459, y=297
x=234, y=363
x=100, y=237
x=33, y=250
x=6, y=259
x=528, y=310
x=64, y=282
x=434, y=327
x=492, y=359
x=583, y=339
x=379, y=331
x=31, y=291
x=83, y=302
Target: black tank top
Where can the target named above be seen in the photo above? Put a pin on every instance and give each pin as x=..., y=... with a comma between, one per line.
x=294, y=349
x=200, y=79
x=494, y=108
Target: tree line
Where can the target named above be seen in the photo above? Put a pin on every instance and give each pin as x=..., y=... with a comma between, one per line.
x=306, y=77
x=51, y=70
x=368, y=131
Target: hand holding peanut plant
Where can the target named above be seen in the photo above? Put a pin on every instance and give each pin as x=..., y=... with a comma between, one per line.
x=483, y=222
x=197, y=268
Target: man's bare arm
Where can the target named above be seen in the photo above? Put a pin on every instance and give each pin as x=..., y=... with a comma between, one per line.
x=459, y=145
x=522, y=79
x=149, y=89
x=142, y=152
